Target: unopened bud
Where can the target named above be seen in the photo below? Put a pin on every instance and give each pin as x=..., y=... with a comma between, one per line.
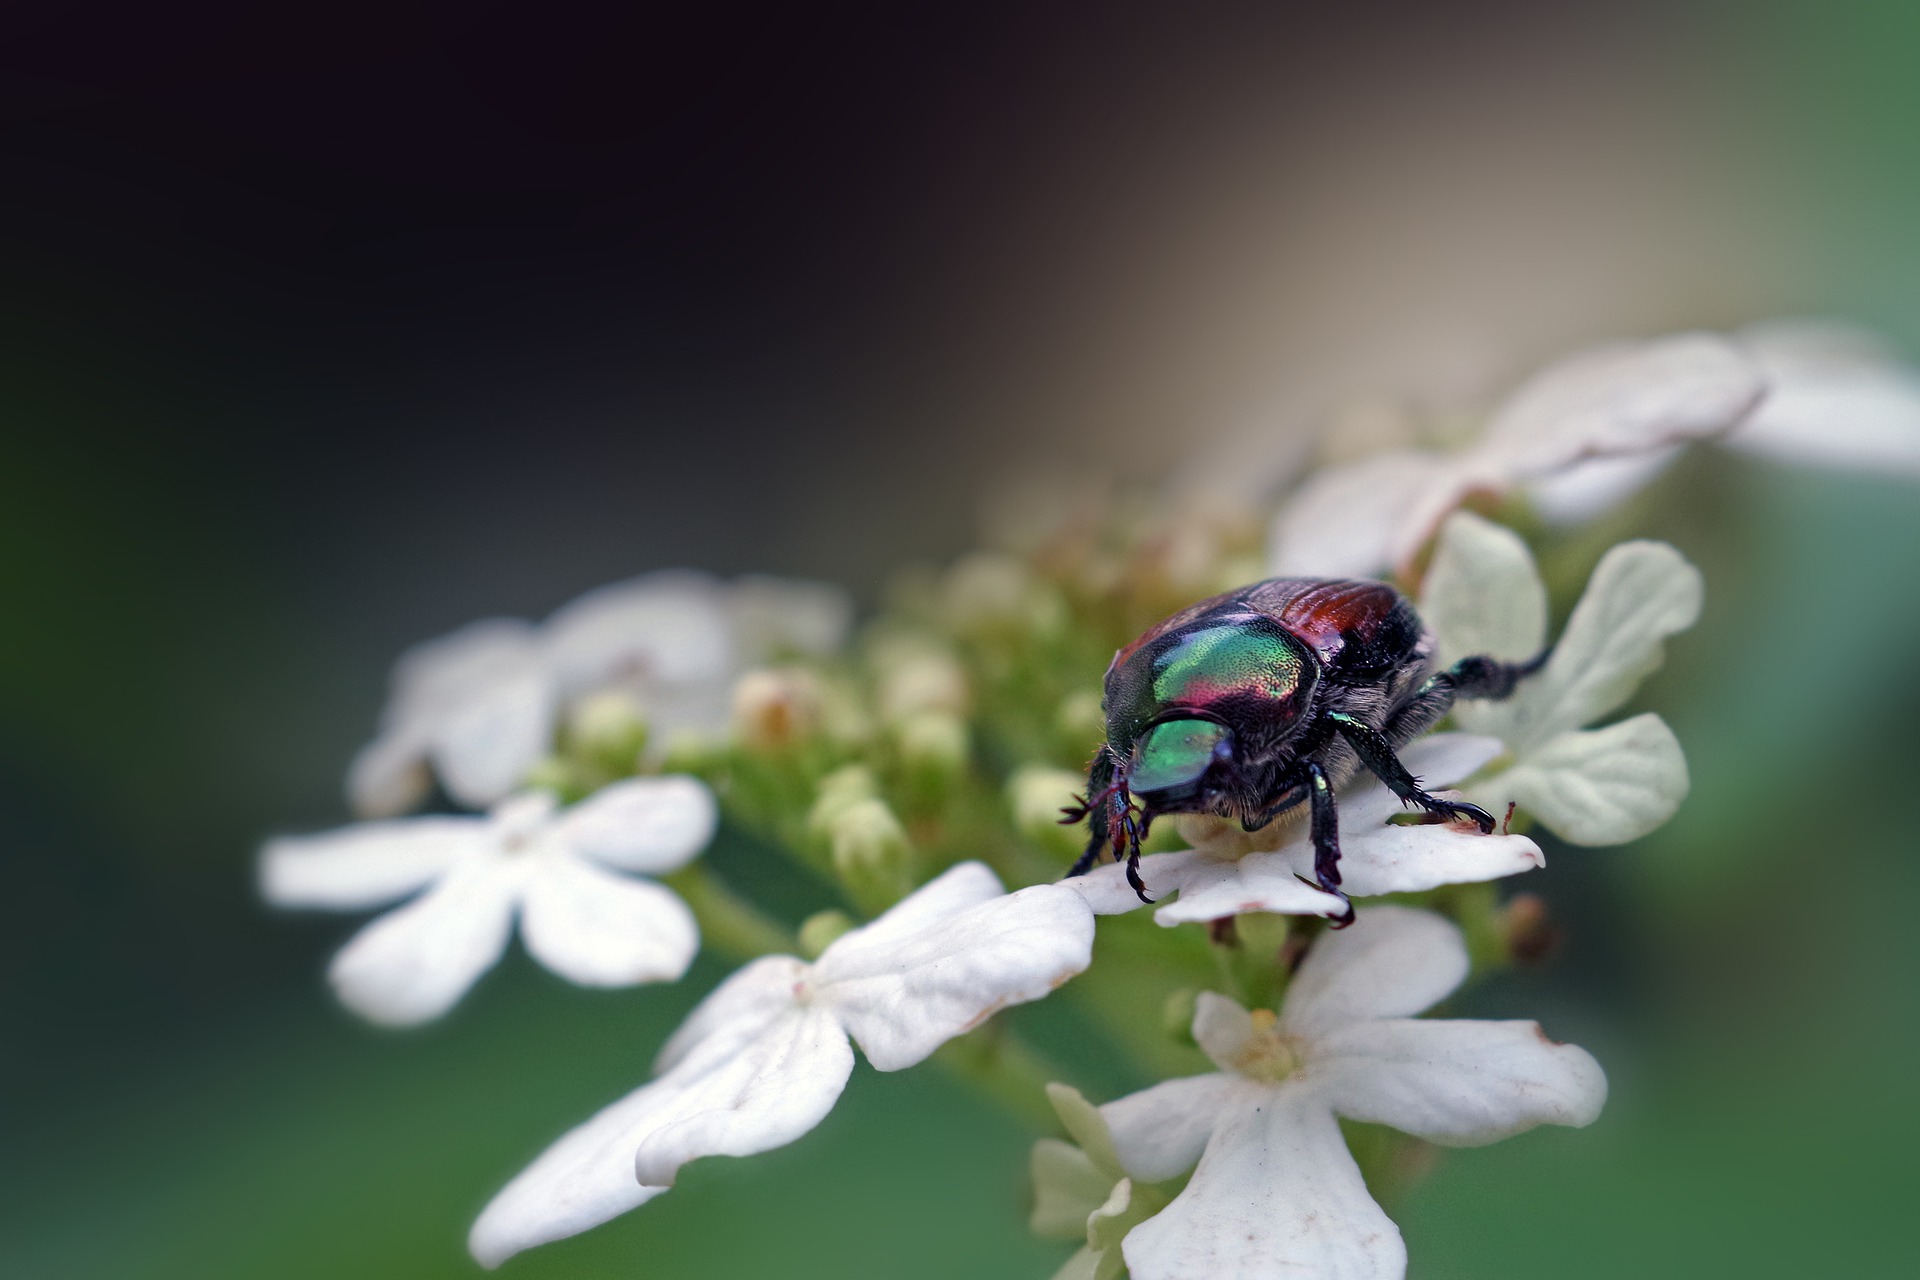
x=775, y=708
x=837, y=792
x=819, y=931
x=1080, y=721
x=608, y=727
x=989, y=591
x=934, y=745
x=871, y=854
x=1037, y=794
x=916, y=677
x=1176, y=1015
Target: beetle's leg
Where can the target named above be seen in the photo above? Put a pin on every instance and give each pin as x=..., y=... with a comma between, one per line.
x=1325, y=823
x=1133, y=837
x=1292, y=795
x=1100, y=784
x=1376, y=752
x=1475, y=677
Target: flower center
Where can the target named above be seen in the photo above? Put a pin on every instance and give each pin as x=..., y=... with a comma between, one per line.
x=1268, y=1054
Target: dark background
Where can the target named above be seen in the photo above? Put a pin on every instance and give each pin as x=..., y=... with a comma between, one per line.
x=324, y=331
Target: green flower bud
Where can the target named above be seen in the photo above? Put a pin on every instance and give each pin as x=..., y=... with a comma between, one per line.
x=819, y=931
x=1080, y=721
x=1036, y=794
x=934, y=744
x=837, y=792
x=1176, y=1015
x=871, y=853
x=917, y=675
x=609, y=729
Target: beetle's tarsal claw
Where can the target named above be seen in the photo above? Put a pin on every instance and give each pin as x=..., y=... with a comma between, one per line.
x=1133, y=878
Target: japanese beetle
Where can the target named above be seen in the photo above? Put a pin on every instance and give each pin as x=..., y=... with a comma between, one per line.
x=1252, y=702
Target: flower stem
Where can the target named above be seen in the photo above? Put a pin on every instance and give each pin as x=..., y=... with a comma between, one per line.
x=1001, y=1066
x=728, y=922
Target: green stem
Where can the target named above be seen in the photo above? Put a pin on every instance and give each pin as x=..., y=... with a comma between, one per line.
x=1002, y=1067
x=728, y=922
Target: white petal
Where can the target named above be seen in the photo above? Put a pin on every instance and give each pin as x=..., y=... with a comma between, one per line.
x=960, y=887
x=671, y=627
x=1276, y=1194
x=389, y=775
x=1640, y=593
x=1393, y=962
x=1456, y=1082
x=1258, y=882
x=1838, y=398
x=1160, y=1132
x=367, y=864
x=1222, y=1028
x=649, y=825
x=1590, y=489
x=484, y=748
x=1482, y=594
x=903, y=1000
x=449, y=670
x=771, y=615
x=1349, y=521
x=762, y=1095
x=1106, y=889
x=1620, y=400
x=414, y=963
x=1418, y=857
x=582, y=1180
x=737, y=1010
x=600, y=929
x=1598, y=786
x=1442, y=759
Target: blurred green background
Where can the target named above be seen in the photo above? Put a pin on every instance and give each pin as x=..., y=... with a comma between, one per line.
x=314, y=346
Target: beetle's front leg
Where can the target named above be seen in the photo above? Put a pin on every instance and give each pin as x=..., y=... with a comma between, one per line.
x=1096, y=809
x=1325, y=828
x=1377, y=754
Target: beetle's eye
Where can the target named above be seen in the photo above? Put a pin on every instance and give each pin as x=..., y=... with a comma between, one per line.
x=1176, y=752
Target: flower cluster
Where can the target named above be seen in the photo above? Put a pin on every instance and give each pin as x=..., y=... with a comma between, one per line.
x=919, y=768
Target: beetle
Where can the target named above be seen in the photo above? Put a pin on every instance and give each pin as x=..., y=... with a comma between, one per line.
x=1255, y=701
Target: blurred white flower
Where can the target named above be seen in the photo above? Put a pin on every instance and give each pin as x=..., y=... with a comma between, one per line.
x=764, y=1058
x=558, y=870
x=1619, y=402
x=1219, y=879
x=478, y=707
x=1275, y=1190
x=1589, y=786
x=1837, y=396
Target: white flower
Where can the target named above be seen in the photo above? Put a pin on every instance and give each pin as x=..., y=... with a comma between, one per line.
x=557, y=870
x=1589, y=786
x=1837, y=396
x=764, y=1058
x=1621, y=402
x=1377, y=856
x=479, y=706
x=1276, y=1191
x=476, y=707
